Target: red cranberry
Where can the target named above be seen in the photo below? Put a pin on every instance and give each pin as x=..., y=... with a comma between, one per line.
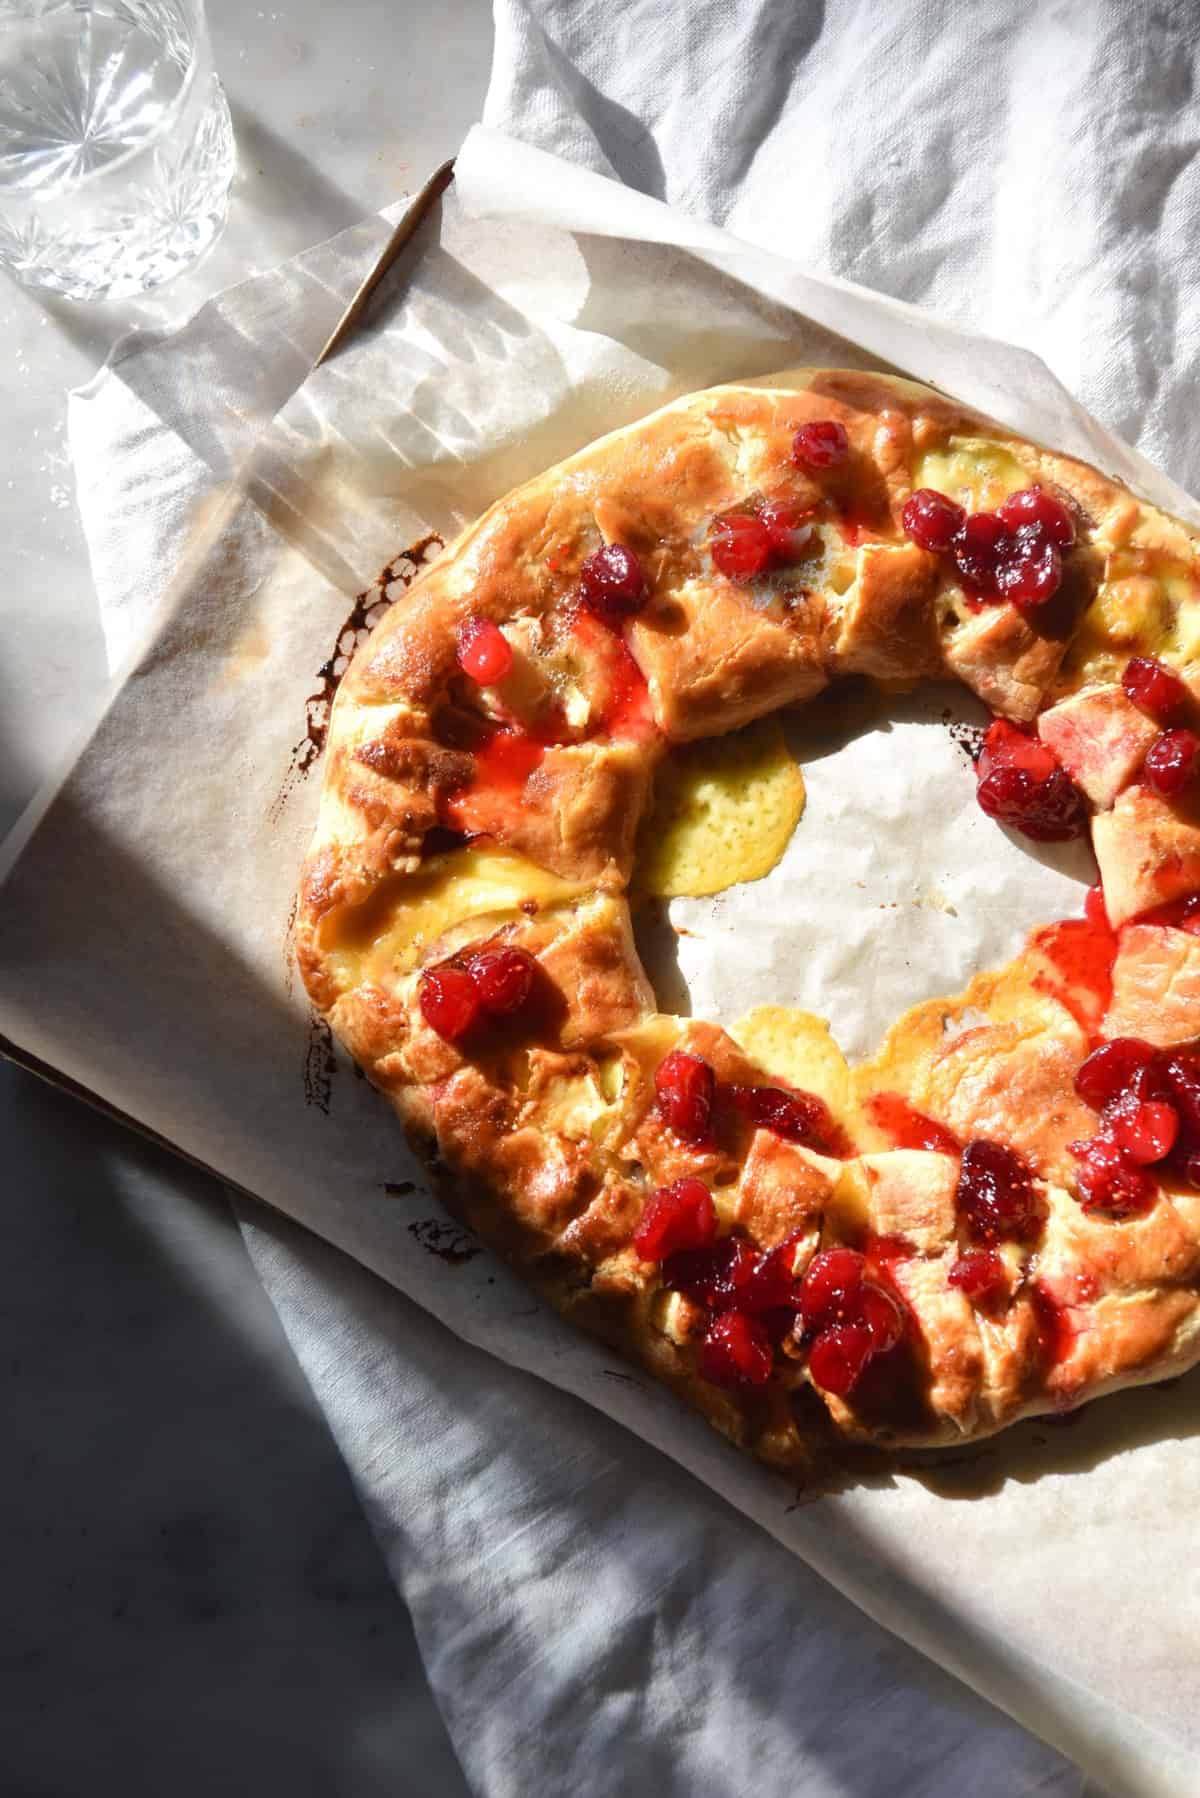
x=736, y=1352
x=822, y=444
x=1108, y=1070
x=839, y=1357
x=715, y=1276
x=1022, y=785
x=1108, y=1181
x=612, y=583
x=980, y=1275
x=882, y=1317
x=1049, y=811
x=789, y=530
x=483, y=651
x=1155, y=689
x=1145, y=1130
x=741, y=546
x=996, y=1193
x=1170, y=764
x=797, y=1117
x=1182, y=1070
x=685, y=1088
x=503, y=979
x=1191, y=1167
x=449, y=1002
x=1010, y=745
x=773, y=1286
x=931, y=519
x=829, y=1292
x=979, y=547
x=1034, y=506
x=1031, y=574
x=677, y=1217
x=1007, y=745
x=1094, y=908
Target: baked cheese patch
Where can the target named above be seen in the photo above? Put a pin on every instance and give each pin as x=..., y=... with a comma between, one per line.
x=723, y=811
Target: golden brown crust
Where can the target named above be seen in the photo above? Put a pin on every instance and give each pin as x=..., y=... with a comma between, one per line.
x=550, y=1125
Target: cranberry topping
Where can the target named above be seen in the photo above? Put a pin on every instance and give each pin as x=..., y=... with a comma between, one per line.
x=449, y=1002
x=1094, y=908
x=1170, y=764
x=1155, y=689
x=1007, y=745
x=715, y=1276
x=908, y=1128
x=1182, y=1070
x=981, y=544
x=788, y=528
x=980, y=1276
x=1145, y=1129
x=1022, y=785
x=1149, y=1104
x=483, y=651
x=503, y=979
x=741, y=546
x=839, y=1357
x=1031, y=573
x=996, y=1194
x=773, y=1285
x=1108, y=1181
x=611, y=583
x=736, y=1352
x=1109, y=1070
x=851, y=1318
x=1033, y=506
x=830, y=1289
x=932, y=519
x=1014, y=553
x=822, y=444
x=882, y=1317
x=797, y=1117
x=685, y=1088
x=677, y=1218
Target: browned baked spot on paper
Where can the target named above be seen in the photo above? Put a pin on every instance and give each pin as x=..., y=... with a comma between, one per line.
x=393, y=579
x=399, y=1189
x=320, y=1064
x=967, y=737
x=449, y=1242
x=289, y=932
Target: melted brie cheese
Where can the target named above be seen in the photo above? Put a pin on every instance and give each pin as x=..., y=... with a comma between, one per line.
x=389, y=934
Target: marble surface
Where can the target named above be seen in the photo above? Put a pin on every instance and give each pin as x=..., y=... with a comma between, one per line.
x=194, y=1602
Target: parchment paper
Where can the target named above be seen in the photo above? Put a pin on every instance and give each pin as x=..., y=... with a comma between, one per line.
x=143, y=925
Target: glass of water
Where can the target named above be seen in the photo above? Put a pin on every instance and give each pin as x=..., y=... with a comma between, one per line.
x=116, y=149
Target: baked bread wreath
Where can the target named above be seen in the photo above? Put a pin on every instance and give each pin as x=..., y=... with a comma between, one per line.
x=999, y=1214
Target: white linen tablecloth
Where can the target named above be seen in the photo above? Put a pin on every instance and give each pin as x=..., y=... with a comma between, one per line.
x=1028, y=169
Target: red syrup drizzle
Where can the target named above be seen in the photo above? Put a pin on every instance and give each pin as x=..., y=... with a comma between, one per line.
x=1081, y=952
x=882, y=1252
x=509, y=753
x=504, y=760
x=1056, y=1327
x=908, y=1128
x=626, y=713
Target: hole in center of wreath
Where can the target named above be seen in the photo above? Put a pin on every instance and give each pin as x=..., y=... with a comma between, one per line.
x=892, y=887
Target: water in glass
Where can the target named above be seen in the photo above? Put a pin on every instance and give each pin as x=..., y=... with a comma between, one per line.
x=116, y=150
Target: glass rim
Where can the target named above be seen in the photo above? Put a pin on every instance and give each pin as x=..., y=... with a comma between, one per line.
x=194, y=9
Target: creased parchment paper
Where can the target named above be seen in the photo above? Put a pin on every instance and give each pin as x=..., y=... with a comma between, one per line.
x=143, y=920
